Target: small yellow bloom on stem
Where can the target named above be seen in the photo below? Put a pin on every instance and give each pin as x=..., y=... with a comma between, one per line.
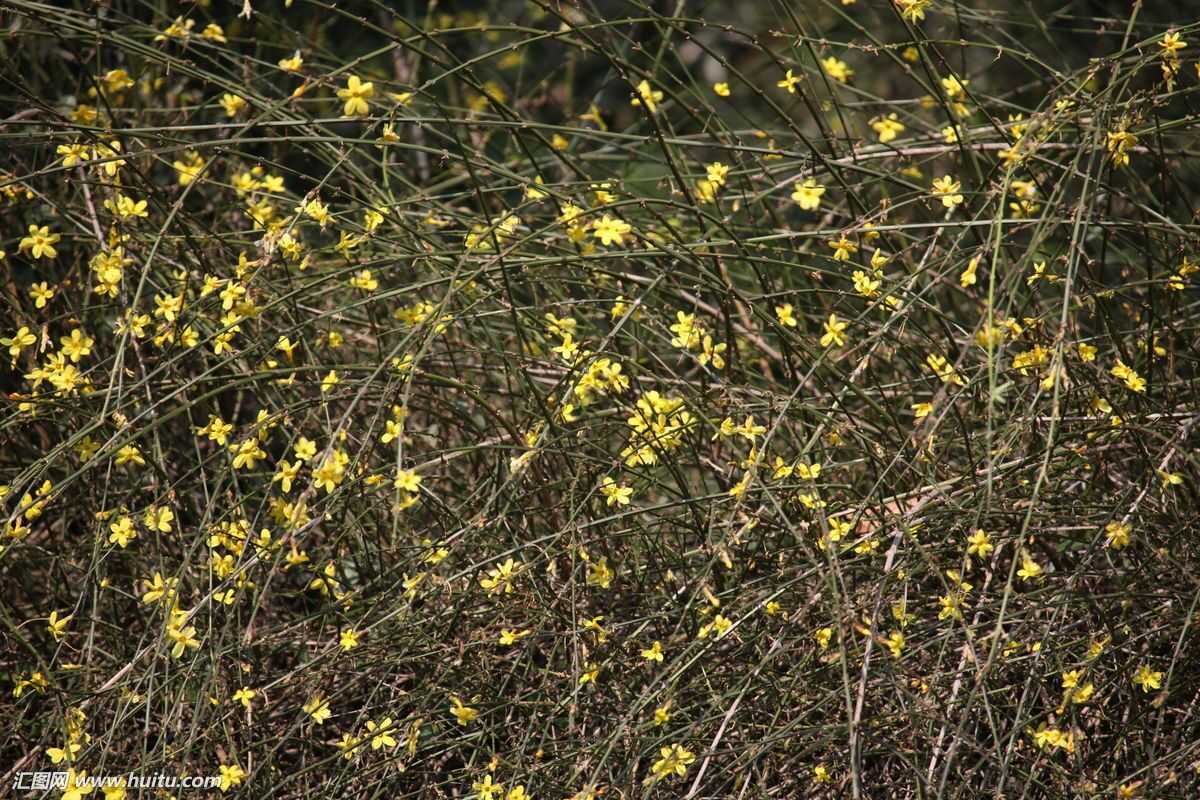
x=58, y=625
x=947, y=190
x=674, y=762
x=807, y=195
x=40, y=242
x=232, y=104
x=610, y=231
x=843, y=248
x=356, y=95
x=317, y=707
x=837, y=69
x=785, y=316
x=888, y=128
x=647, y=97
x=465, y=715
x=834, y=332
x=1147, y=678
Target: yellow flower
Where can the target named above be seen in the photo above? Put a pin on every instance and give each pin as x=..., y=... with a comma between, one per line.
x=1073, y=692
x=317, y=707
x=944, y=370
x=59, y=754
x=887, y=127
x=1171, y=44
x=159, y=589
x=654, y=652
x=231, y=775
x=179, y=29
x=465, y=715
x=1169, y=479
x=912, y=10
x=843, y=248
x=823, y=637
x=968, y=276
x=809, y=472
x=978, y=544
x=717, y=172
x=533, y=192
x=293, y=63
x=407, y=480
x=76, y=786
x=721, y=89
x=40, y=242
x=244, y=696
x=499, y=578
x=720, y=624
x=58, y=625
x=77, y=345
x=789, y=82
x=1118, y=535
x=122, y=532
x=189, y=169
x=41, y=293
x=232, y=104
x=316, y=210
x=837, y=69
x=348, y=639
x=381, y=733
x=591, y=671
x=1030, y=569
x=107, y=152
x=18, y=341
x=947, y=190
x=1147, y=678
x=610, y=231
x=647, y=96
x=784, y=314
x=834, y=332
x=954, y=87
x=1120, y=142
x=247, y=454
x=615, y=493
x=674, y=762
x=304, y=449
x=864, y=284
x=73, y=154
x=486, y=789
x=181, y=637
x=838, y=529
x=510, y=637
x=348, y=745
x=1133, y=381
x=713, y=353
x=363, y=279
x=356, y=95
x=808, y=194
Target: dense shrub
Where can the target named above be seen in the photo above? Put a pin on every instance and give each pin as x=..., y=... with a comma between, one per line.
x=554, y=400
